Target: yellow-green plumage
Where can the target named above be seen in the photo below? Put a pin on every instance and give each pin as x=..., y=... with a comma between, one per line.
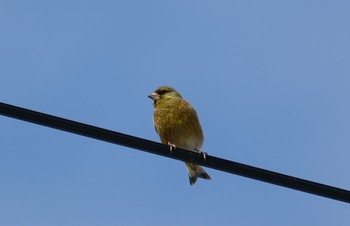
x=176, y=122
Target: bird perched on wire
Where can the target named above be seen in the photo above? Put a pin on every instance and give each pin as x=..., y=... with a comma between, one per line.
x=177, y=125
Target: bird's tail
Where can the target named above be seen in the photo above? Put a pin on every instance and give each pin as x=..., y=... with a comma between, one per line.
x=195, y=171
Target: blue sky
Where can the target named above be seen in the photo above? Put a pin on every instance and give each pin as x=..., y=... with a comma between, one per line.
x=269, y=79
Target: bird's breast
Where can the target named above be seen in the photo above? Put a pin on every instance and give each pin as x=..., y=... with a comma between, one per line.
x=178, y=125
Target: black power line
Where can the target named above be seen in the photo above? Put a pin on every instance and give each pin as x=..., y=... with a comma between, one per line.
x=180, y=154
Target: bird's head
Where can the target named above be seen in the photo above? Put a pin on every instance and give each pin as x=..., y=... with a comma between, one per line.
x=163, y=93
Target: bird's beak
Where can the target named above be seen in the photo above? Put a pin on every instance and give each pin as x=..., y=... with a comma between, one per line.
x=154, y=96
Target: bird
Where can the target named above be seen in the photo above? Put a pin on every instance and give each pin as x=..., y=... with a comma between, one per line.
x=177, y=125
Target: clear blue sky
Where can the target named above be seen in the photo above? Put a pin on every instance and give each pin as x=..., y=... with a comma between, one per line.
x=269, y=79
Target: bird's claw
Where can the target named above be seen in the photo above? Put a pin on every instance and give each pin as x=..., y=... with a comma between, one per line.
x=204, y=154
x=171, y=146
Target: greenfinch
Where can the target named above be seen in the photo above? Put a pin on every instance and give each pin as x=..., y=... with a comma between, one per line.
x=177, y=125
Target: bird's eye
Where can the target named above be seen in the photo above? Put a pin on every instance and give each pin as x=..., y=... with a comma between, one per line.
x=162, y=91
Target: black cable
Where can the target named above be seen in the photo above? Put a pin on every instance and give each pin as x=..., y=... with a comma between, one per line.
x=180, y=154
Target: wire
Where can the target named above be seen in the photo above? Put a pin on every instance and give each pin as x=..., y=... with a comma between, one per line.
x=180, y=154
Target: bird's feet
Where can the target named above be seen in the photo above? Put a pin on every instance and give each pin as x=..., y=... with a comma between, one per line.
x=171, y=147
x=204, y=154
